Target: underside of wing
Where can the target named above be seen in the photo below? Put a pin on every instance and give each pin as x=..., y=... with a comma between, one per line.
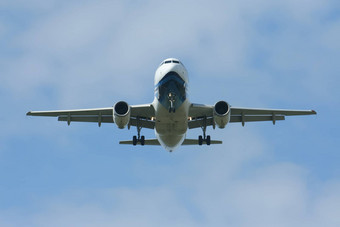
x=200, y=110
x=97, y=115
x=141, y=115
x=143, y=111
x=203, y=115
x=254, y=114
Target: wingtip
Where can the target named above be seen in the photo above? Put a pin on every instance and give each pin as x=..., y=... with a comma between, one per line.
x=314, y=112
x=28, y=113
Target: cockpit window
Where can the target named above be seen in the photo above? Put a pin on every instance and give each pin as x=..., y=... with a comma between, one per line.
x=171, y=61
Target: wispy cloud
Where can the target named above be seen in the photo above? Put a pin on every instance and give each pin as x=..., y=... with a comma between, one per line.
x=84, y=54
x=210, y=190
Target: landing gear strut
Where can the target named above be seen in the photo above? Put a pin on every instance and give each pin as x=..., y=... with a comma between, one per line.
x=204, y=138
x=172, y=97
x=138, y=138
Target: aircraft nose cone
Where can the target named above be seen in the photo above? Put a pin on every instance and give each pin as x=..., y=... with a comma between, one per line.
x=175, y=68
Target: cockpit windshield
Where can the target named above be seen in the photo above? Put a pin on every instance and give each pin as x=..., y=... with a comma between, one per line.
x=171, y=61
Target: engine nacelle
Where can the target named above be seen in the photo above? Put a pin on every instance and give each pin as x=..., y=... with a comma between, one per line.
x=121, y=114
x=221, y=114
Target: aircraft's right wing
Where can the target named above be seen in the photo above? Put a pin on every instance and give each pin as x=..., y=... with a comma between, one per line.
x=201, y=115
x=99, y=115
x=144, y=113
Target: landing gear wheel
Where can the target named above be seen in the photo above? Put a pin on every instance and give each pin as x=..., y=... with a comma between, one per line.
x=200, y=140
x=142, y=140
x=134, y=140
x=208, y=140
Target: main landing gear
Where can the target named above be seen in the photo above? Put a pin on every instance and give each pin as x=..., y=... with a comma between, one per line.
x=204, y=138
x=138, y=138
x=135, y=140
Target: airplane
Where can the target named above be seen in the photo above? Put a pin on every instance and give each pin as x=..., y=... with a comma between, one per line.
x=171, y=113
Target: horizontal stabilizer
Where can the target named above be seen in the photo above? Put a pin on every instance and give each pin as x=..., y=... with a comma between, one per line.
x=195, y=142
x=146, y=142
x=156, y=142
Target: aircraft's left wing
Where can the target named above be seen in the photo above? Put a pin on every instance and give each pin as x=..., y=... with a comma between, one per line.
x=201, y=115
x=144, y=114
x=254, y=114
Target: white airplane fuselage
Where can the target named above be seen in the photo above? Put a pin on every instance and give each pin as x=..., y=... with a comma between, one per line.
x=171, y=103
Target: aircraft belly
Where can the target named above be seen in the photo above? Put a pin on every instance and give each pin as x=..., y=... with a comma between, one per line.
x=170, y=128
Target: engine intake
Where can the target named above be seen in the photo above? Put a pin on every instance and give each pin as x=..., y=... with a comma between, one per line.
x=121, y=114
x=221, y=114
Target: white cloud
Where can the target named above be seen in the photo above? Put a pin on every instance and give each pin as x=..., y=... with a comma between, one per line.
x=211, y=188
x=93, y=46
x=92, y=53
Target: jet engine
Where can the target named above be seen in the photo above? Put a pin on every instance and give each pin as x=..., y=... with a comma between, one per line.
x=221, y=114
x=121, y=114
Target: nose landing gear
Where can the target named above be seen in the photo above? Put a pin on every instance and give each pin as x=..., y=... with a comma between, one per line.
x=172, y=98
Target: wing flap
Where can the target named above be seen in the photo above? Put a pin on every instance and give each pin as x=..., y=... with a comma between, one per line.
x=145, y=123
x=255, y=111
x=107, y=119
x=197, y=123
x=95, y=119
x=255, y=118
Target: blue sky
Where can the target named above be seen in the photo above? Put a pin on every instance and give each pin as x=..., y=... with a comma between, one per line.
x=86, y=54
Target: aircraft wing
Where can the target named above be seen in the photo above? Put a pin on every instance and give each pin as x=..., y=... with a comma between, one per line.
x=203, y=114
x=144, y=113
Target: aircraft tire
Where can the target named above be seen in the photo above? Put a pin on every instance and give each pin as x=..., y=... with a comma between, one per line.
x=142, y=140
x=208, y=140
x=200, y=140
x=134, y=140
